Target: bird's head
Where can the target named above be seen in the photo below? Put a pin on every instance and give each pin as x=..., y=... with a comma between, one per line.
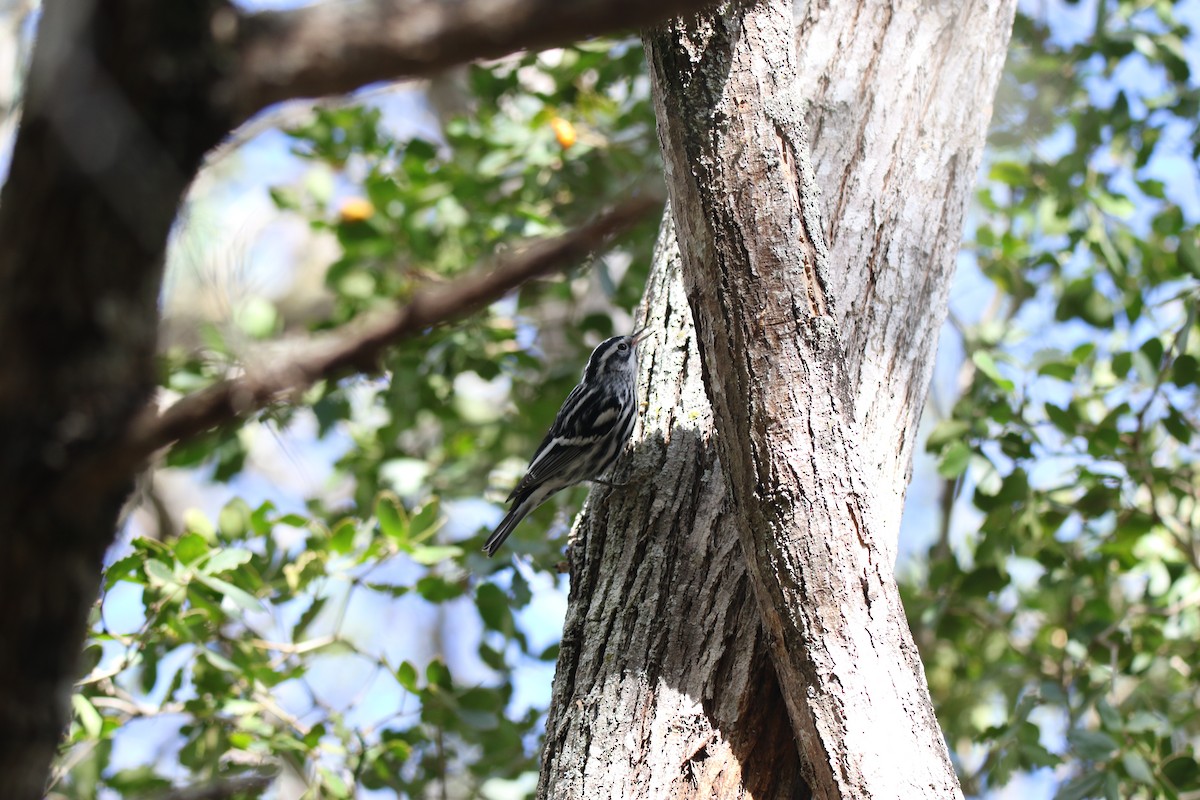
x=615, y=356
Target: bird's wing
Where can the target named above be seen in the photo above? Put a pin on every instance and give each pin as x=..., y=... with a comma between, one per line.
x=586, y=417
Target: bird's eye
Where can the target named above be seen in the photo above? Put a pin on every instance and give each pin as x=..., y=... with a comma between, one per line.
x=622, y=347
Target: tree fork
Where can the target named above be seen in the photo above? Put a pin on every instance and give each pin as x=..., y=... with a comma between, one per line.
x=664, y=686
x=898, y=96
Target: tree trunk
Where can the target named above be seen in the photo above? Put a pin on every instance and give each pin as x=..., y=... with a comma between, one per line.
x=664, y=685
x=794, y=341
x=898, y=97
x=113, y=128
x=746, y=202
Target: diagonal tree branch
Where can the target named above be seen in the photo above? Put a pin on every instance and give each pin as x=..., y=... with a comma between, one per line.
x=358, y=348
x=337, y=47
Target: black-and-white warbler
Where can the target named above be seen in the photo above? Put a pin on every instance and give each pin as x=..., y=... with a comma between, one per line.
x=588, y=434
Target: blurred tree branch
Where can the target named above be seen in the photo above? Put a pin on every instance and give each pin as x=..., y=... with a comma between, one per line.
x=334, y=48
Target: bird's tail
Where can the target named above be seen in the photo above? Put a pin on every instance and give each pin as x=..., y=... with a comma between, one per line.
x=519, y=509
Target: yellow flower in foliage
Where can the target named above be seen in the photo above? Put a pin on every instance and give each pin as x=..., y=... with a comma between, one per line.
x=564, y=131
x=356, y=209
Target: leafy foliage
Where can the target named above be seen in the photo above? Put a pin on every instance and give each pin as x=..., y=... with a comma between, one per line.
x=1062, y=630
x=360, y=642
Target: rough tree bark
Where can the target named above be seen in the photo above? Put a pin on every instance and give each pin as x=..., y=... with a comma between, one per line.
x=745, y=200
x=665, y=687
x=124, y=97
x=115, y=122
x=662, y=672
x=897, y=96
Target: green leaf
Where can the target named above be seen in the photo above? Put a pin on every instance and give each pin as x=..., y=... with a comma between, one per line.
x=1011, y=173
x=341, y=541
x=260, y=518
x=954, y=460
x=1115, y=205
x=333, y=784
x=234, y=519
x=90, y=658
x=227, y=559
x=946, y=431
x=89, y=718
x=390, y=589
x=195, y=521
x=122, y=569
x=1092, y=745
x=425, y=522
x=257, y=317
x=159, y=572
x=190, y=548
x=1137, y=767
x=437, y=589
x=1062, y=370
x=1186, y=370
x=1081, y=788
x=406, y=675
x=240, y=597
x=1122, y=362
x=984, y=580
x=987, y=365
x=300, y=629
x=1182, y=770
x=1108, y=715
x=286, y=198
x=434, y=554
x=392, y=518
x=1188, y=253
x=1065, y=419
x=437, y=674
x=1112, y=787
x=1178, y=426
x=493, y=608
x=1080, y=300
x=1154, y=349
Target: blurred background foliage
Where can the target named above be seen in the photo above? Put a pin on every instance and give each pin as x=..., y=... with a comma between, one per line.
x=350, y=634
x=1058, y=609
x=304, y=596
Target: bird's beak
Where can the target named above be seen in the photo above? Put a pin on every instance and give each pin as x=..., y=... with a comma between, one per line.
x=639, y=335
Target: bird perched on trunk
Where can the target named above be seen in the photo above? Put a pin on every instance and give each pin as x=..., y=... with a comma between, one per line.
x=592, y=426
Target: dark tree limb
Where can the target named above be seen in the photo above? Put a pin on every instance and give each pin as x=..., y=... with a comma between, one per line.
x=116, y=119
x=337, y=47
x=359, y=348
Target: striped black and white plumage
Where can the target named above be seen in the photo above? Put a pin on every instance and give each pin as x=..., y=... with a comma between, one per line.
x=592, y=426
